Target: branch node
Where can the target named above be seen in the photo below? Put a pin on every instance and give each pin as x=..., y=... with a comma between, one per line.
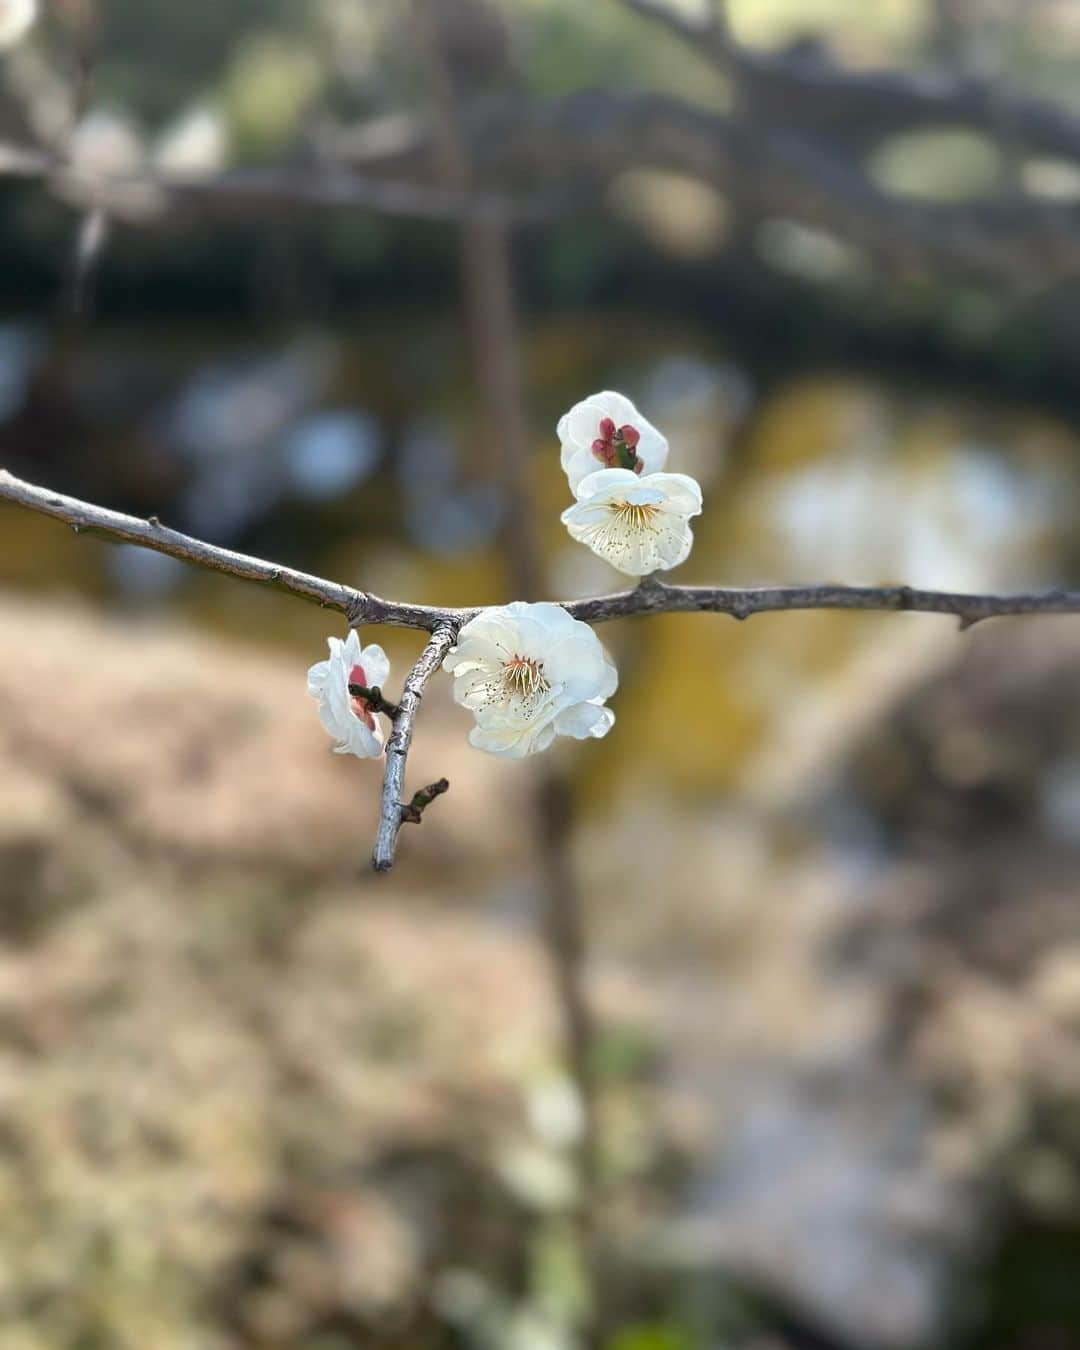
x=154, y=522
x=357, y=610
x=413, y=813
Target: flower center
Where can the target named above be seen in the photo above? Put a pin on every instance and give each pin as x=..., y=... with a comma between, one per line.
x=525, y=677
x=635, y=515
x=360, y=706
x=616, y=447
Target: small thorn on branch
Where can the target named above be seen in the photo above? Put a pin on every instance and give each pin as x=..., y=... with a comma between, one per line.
x=413, y=812
x=374, y=699
x=967, y=621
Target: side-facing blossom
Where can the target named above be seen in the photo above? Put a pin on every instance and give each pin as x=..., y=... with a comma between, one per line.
x=639, y=525
x=606, y=431
x=346, y=716
x=16, y=19
x=529, y=673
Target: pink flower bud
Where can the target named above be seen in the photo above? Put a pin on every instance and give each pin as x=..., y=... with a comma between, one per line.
x=630, y=436
x=607, y=428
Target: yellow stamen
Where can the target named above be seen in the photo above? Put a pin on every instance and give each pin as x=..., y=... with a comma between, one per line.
x=635, y=516
x=525, y=677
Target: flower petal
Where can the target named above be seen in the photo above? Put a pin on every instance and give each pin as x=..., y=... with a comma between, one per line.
x=328, y=681
x=584, y=720
x=376, y=665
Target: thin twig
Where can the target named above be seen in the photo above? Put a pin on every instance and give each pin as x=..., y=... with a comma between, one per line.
x=84, y=518
x=422, y=799
x=373, y=697
x=397, y=747
x=651, y=597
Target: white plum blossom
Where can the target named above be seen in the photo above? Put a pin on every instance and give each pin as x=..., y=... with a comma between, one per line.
x=529, y=673
x=346, y=717
x=638, y=525
x=16, y=19
x=606, y=431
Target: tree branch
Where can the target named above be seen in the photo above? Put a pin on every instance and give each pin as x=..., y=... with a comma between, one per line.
x=650, y=597
x=657, y=597
x=394, y=810
x=84, y=518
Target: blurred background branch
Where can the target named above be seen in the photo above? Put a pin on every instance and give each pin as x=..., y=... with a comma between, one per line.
x=800, y=138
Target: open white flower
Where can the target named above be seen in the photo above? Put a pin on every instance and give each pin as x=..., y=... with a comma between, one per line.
x=16, y=19
x=529, y=673
x=639, y=525
x=348, y=718
x=606, y=431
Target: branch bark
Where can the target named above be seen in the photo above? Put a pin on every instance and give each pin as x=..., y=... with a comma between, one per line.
x=394, y=809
